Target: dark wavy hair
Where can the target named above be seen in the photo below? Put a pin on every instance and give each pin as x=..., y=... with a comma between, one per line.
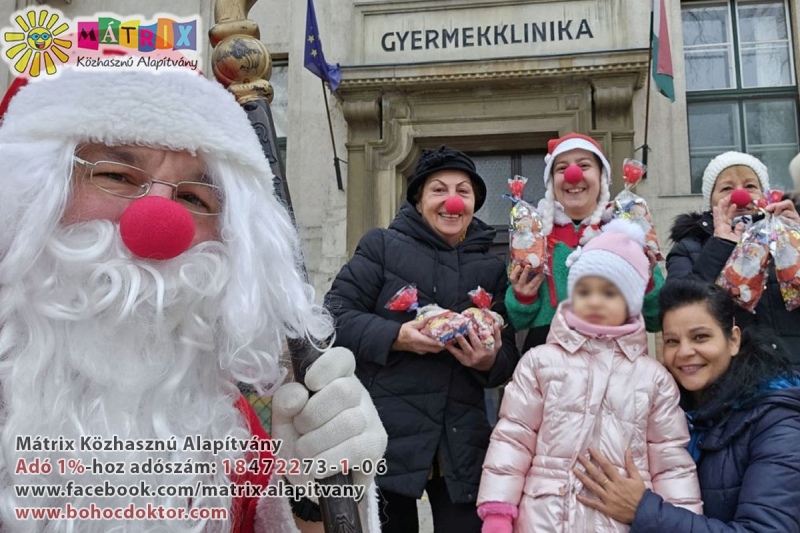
x=759, y=359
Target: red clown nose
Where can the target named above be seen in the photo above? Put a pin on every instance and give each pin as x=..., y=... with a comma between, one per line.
x=156, y=228
x=573, y=174
x=740, y=198
x=454, y=205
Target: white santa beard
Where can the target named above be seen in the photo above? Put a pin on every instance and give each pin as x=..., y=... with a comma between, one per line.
x=94, y=342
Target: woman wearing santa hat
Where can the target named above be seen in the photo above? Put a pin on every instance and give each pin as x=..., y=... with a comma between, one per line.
x=732, y=183
x=576, y=176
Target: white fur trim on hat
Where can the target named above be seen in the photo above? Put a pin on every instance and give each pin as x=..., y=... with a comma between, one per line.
x=794, y=171
x=731, y=159
x=196, y=114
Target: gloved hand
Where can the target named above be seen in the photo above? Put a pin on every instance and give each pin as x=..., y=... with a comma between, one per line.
x=338, y=422
x=497, y=523
x=498, y=517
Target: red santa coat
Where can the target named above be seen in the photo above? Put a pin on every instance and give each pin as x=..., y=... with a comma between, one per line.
x=243, y=512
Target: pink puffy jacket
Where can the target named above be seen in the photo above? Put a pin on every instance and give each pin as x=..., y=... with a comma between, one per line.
x=574, y=393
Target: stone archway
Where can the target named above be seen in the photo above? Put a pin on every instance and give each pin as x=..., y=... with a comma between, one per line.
x=392, y=113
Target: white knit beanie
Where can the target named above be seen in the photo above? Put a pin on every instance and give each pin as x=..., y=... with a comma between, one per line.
x=731, y=159
x=555, y=147
x=794, y=171
x=617, y=254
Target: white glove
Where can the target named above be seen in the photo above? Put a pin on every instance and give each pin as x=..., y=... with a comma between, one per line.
x=338, y=422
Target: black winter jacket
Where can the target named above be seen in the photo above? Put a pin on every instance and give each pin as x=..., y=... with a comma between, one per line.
x=429, y=404
x=698, y=253
x=749, y=475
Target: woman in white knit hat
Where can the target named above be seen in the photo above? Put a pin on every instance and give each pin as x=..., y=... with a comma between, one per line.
x=704, y=241
x=577, y=176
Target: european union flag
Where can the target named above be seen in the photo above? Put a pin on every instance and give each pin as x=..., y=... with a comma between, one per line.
x=314, y=58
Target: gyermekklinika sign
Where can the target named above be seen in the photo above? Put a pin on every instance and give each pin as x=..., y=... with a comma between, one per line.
x=442, y=33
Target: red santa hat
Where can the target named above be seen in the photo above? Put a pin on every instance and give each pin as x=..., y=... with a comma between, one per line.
x=555, y=147
x=13, y=89
x=127, y=108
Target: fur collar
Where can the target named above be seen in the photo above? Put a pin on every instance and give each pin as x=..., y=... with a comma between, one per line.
x=699, y=226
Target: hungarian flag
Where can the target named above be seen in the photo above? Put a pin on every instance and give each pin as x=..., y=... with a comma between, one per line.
x=662, y=54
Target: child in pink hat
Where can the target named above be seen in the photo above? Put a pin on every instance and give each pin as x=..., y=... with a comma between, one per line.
x=591, y=386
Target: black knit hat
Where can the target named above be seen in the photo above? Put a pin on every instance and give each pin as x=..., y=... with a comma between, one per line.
x=445, y=159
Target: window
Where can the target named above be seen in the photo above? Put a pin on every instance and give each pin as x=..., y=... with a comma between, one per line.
x=280, y=102
x=495, y=169
x=741, y=90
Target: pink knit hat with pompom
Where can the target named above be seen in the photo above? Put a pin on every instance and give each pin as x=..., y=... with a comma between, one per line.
x=617, y=254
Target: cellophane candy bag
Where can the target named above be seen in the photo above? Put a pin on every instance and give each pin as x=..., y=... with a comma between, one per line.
x=527, y=244
x=404, y=300
x=481, y=318
x=634, y=208
x=787, y=260
x=746, y=269
x=442, y=324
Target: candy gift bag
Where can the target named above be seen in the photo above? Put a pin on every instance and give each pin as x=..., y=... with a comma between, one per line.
x=746, y=269
x=481, y=318
x=634, y=208
x=787, y=260
x=438, y=323
x=527, y=244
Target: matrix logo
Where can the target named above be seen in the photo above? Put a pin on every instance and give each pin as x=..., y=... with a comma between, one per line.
x=37, y=43
x=43, y=39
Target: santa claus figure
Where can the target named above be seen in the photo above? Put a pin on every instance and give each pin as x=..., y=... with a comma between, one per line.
x=145, y=268
x=747, y=270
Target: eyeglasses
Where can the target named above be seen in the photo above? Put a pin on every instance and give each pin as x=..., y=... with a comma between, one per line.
x=127, y=181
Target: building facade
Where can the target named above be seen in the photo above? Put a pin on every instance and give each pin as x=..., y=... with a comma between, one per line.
x=497, y=79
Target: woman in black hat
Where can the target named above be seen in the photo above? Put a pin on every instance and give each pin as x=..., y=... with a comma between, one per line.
x=430, y=396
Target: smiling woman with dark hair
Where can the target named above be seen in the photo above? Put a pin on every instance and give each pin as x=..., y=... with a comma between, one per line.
x=743, y=406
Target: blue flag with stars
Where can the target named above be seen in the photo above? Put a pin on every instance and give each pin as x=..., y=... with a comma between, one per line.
x=314, y=58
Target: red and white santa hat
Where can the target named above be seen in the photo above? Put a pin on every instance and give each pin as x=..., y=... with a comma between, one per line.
x=555, y=147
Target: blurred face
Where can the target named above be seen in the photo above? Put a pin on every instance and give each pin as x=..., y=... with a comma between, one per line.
x=579, y=200
x=598, y=301
x=439, y=187
x=737, y=177
x=87, y=202
x=696, y=350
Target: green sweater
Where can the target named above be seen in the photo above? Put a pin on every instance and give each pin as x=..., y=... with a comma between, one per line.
x=541, y=312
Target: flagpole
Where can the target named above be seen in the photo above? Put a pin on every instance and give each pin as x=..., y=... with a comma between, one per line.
x=333, y=141
x=646, y=148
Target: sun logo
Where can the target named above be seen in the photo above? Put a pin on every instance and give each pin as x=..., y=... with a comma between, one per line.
x=38, y=40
